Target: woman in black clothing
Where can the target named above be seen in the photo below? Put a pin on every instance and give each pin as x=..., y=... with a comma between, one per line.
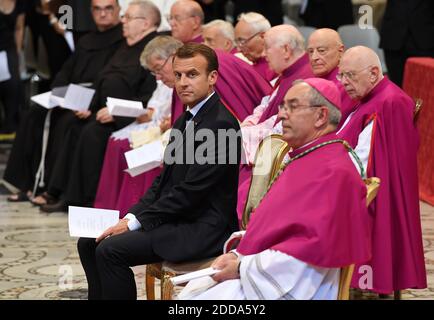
x=11, y=37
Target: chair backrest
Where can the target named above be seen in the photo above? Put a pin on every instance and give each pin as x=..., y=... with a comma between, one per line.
x=417, y=108
x=352, y=35
x=372, y=186
x=268, y=158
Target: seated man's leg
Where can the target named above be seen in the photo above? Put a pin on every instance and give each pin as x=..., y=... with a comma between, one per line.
x=86, y=249
x=107, y=265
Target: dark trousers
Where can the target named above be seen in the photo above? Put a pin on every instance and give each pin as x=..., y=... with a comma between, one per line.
x=107, y=264
x=12, y=93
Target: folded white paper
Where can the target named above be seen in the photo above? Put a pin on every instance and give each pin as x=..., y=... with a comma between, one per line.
x=90, y=222
x=125, y=108
x=145, y=158
x=4, y=67
x=78, y=98
x=73, y=97
x=45, y=100
x=193, y=275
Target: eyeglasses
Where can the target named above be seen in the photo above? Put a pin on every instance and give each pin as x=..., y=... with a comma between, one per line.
x=158, y=69
x=177, y=18
x=99, y=10
x=129, y=18
x=240, y=42
x=350, y=75
x=291, y=107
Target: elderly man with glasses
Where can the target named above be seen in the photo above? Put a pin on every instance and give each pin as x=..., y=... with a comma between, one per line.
x=186, y=19
x=249, y=39
x=382, y=131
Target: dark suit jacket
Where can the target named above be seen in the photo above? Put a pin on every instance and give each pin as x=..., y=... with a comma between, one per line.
x=190, y=209
x=405, y=19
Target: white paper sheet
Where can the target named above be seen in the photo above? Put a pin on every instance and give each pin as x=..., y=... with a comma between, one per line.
x=4, y=67
x=78, y=98
x=145, y=158
x=90, y=222
x=193, y=275
x=125, y=108
x=44, y=100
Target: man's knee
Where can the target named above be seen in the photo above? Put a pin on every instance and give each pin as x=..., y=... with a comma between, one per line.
x=105, y=250
x=86, y=245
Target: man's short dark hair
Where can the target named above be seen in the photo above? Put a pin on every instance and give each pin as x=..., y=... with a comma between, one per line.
x=190, y=50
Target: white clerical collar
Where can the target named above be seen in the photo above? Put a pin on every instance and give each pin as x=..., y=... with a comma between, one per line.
x=197, y=107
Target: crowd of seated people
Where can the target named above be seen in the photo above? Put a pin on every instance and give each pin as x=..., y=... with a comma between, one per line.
x=343, y=119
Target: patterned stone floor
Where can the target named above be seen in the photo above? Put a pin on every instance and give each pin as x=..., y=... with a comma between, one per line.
x=38, y=259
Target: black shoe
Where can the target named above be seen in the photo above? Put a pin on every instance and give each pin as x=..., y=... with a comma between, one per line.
x=59, y=206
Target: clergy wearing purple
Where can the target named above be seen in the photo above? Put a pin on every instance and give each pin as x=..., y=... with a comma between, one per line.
x=397, y=252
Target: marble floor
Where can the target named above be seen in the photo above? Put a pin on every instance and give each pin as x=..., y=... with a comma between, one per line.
x=39, y=260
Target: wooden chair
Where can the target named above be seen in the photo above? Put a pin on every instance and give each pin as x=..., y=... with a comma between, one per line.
x=268, y=159
x=372, y=186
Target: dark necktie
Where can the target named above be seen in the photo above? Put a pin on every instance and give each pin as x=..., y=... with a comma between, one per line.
x=188, y=116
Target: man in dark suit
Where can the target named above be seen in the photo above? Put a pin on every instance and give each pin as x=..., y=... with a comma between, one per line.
x=407, y=31
x=189, y=211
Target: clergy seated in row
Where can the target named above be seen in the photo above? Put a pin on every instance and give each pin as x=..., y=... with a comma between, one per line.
x=286, y=55
x=313, y=220
x=74, y=178
x=92, y=54
x=239, y=87
x=325, y=50
x=249, y=38
x=382, y=131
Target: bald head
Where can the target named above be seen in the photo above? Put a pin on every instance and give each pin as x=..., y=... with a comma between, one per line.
x=362, y=57
x=360, y=71
x=186, y=18
x=328, y=35
x=325, y=50
x=284, y=45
